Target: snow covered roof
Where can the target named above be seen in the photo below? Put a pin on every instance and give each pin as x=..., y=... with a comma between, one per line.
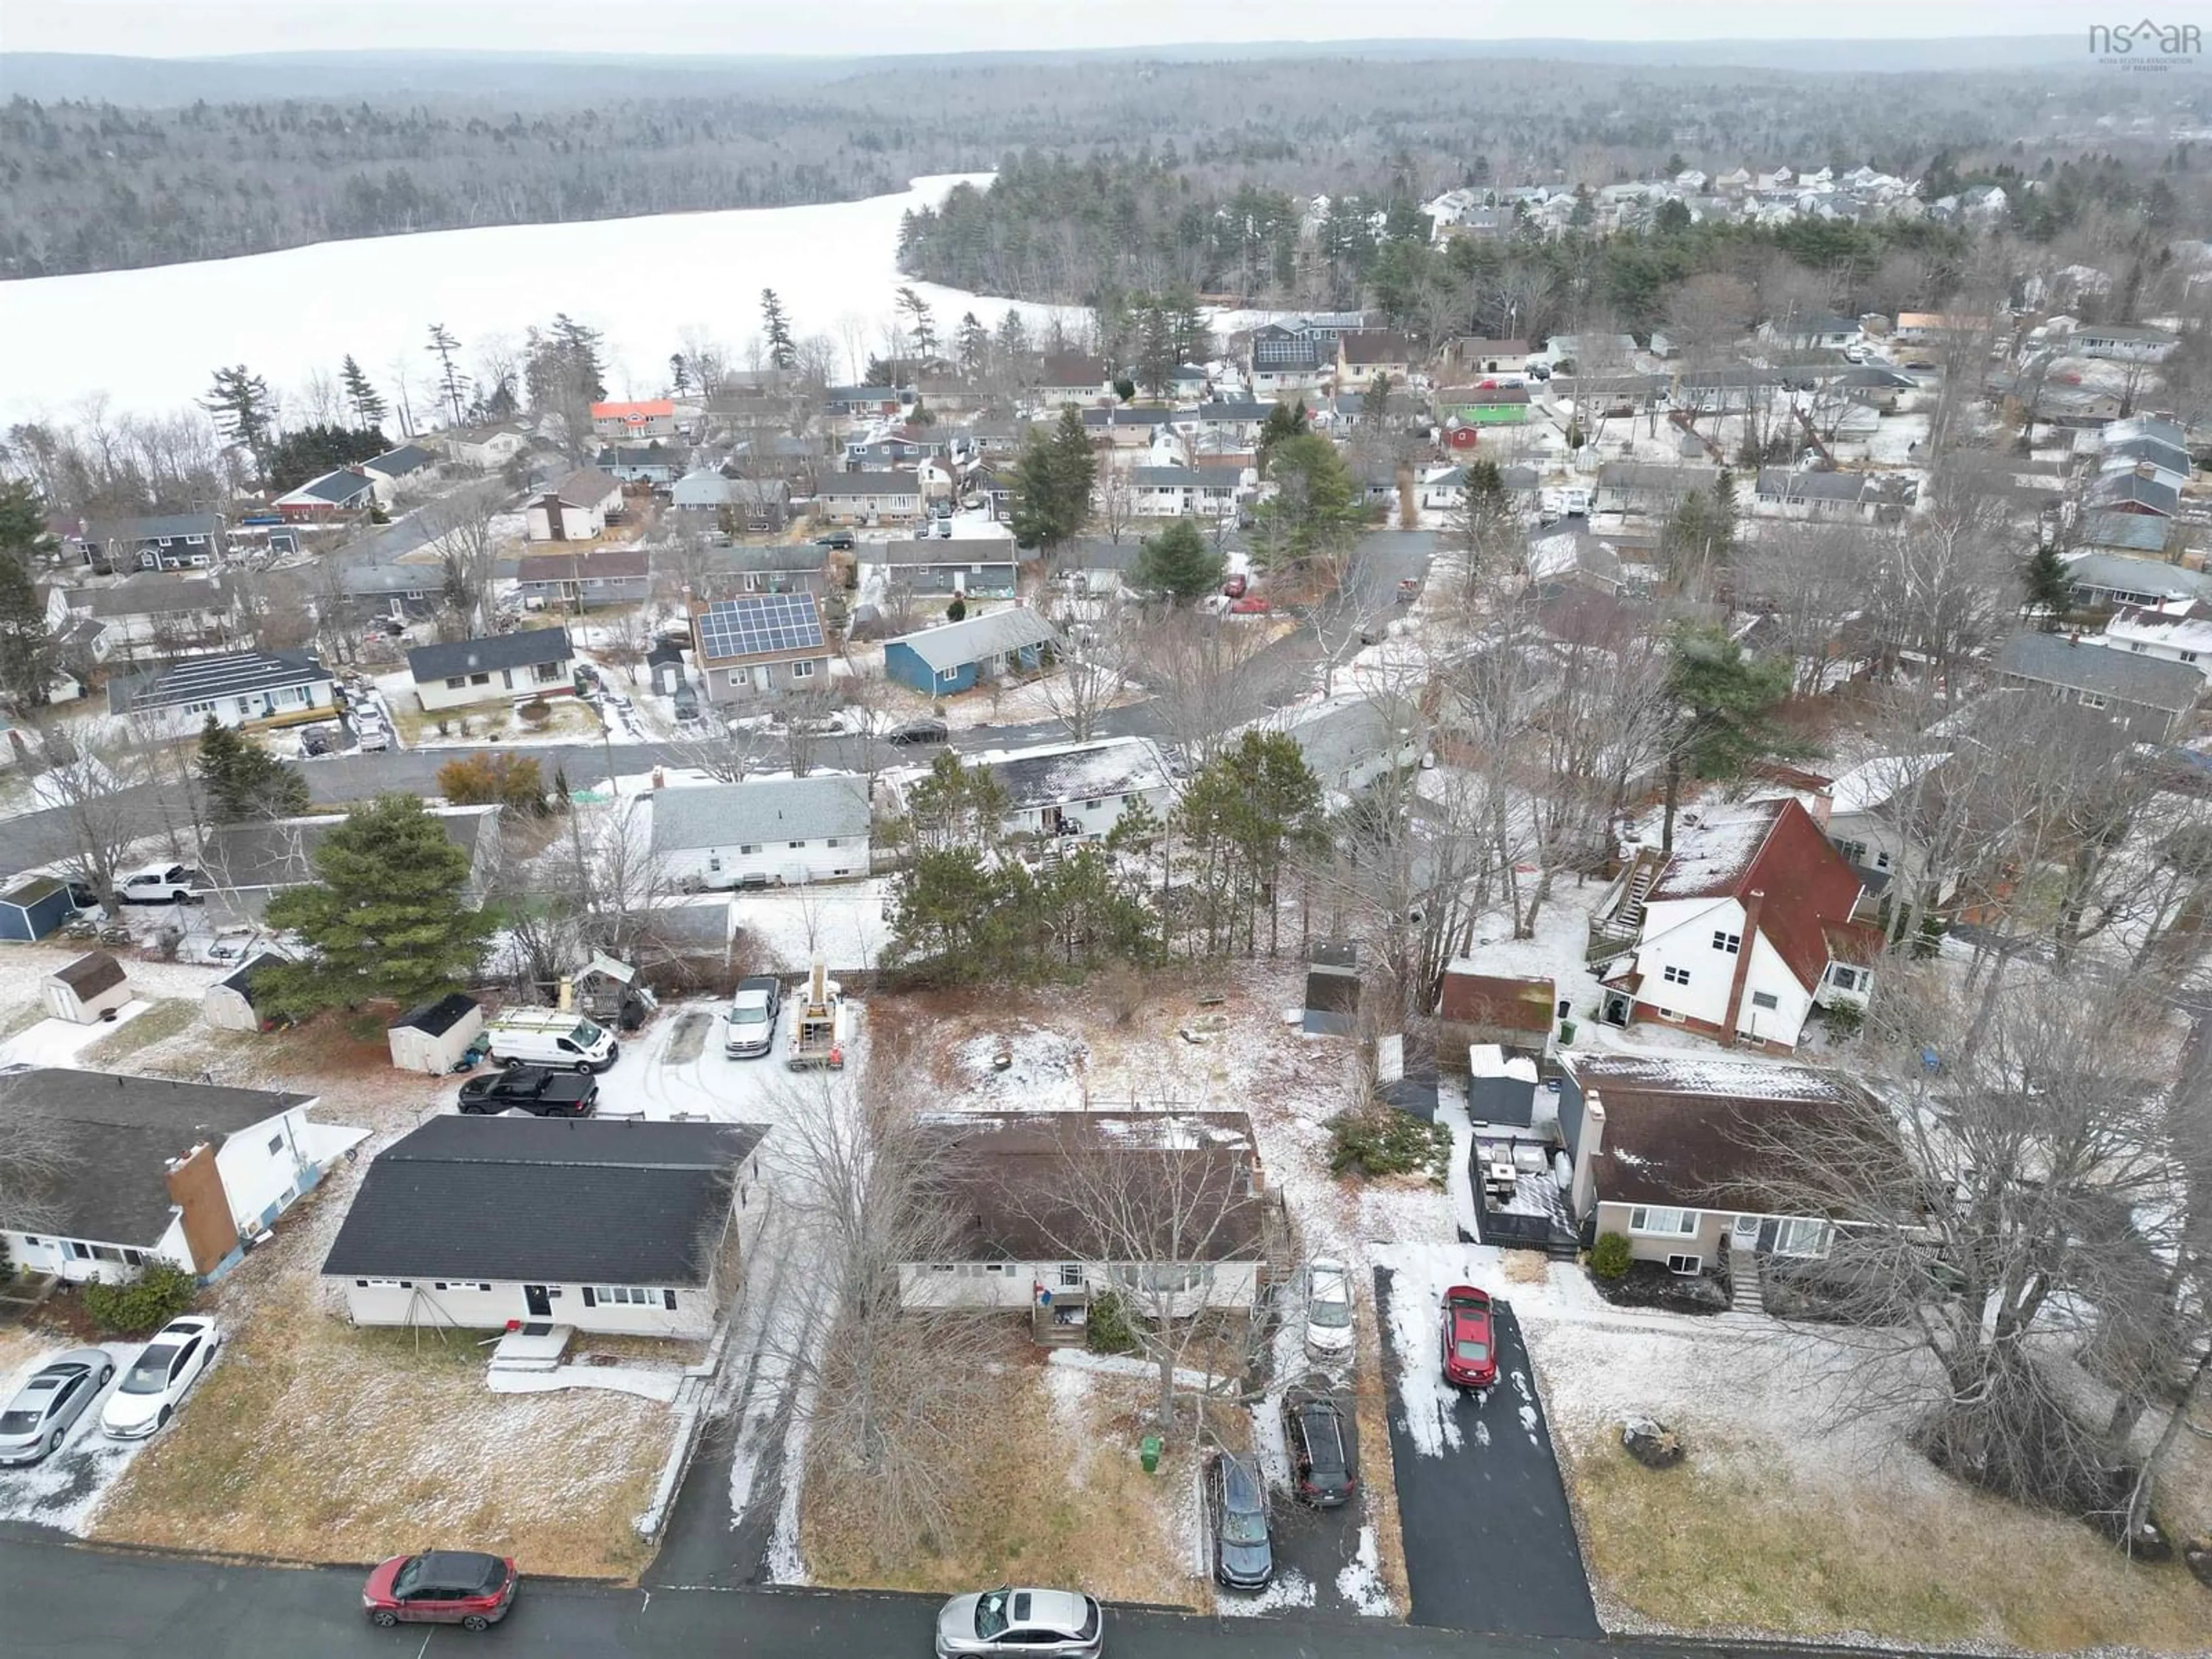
x=1871, y=783
x=1085, y=771
x=1773, y=851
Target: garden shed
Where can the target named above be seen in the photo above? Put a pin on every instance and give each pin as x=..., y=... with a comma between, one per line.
x=87, y=990
x=229, y=1003
x=434, y=1037
x=33, y=907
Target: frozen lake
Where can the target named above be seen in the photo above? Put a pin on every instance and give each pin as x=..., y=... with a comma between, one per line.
x=149, y=340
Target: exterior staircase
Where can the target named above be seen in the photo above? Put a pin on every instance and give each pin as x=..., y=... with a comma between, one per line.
x=1616, y=932
x=1743, y=1275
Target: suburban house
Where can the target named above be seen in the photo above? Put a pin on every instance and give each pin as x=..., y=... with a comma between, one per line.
x=247, y=862
x=451, y=675
x=1481, y=405
x=2150, y=697
x=940, y=661
x=2125, y=342
x=1184, y=1230
x=595, y=1223
x=1512, y=1013
x=736, y=504
x=1469, y=354
x=170, y=614
x=1677, y=1155
x=1834, y=497
x=1288, y=359
x=654, y=463
x=765, y=568
x=972, y=565
x=651, y=417
x=1074, y=377
x=2128, y=533
x=1122, y=426
x=487, y=447
x=1078, y=788
x=1172, y=492
x=2097, y=580
x=1349, y=742
x=2137, y=490
x=858, y=498
x=2168, y=463
x=2171, y=632
x=395, y=464
x=335, y=495
x=861, y=402
x=1868, y=821
x=154, y=1170
x=235, y=688
x=1812, y=331
x=788, y=831
x=1739, y=932
x=610, y=575
x=1653, y=491
x=180, y=541
x=1224, y=425
x=577, y=509
x=1364, y=353
x=760, y=645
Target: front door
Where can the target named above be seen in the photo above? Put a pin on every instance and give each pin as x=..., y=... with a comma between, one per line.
x=539, y=1303
x=1745, y=1236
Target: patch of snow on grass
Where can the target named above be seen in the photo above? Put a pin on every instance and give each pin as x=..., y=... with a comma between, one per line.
x=1045, y=1070
x=65, y=1490
x=1359, y=1582
x=58, y=1042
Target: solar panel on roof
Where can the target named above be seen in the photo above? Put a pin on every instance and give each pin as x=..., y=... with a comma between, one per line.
x=765, y=623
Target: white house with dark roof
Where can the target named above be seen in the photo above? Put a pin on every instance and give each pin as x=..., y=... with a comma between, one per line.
x=577, y=509
x=1079, y=789
x=1173, y=492
x=781, y=831
x=2178, y=633
x=407, y=461
x=1833, y=497
x=171, y=612
x=248, y=862
x=858, y=498
x=593, y=1224
x=2151, y=698
x=463, y=672
x=234, y=688
x=2117, y=579
x=156, y=1170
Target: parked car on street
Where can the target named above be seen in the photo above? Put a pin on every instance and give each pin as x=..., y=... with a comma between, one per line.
x=1236, y=1511
x=1234, y=587
x=158, y=1380
x=1321, y=1447
x=39, y=1418
x=749, y=1031
x=536, y=1089
x=1065, y=1624
x=922, y=731
x=159, y=883
x=466, y=1587
x=840, y=540
x=1328, y=1309
x=1470, y=1347
x=1251, y=605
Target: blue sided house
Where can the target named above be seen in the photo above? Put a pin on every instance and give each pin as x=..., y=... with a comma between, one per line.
x=939, y=661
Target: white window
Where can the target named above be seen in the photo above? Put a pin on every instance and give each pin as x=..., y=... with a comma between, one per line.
x=276, y=1143
x=2092, y=700
x=1728, y=942
x=1688, y=1266
x=796, y=845
x=546, y=672
x=832, y=841
x=480, y=679
x=2189, y=656
x=1801, y=1238
x=1765, y=999
x=632, y=1295
x=1881, y=860
x=1071, y=1278
x=802, y=671
x=738, y=677
x=1674, y=975
x=2138, y=648
x=1666, y=1223
x=948, y=675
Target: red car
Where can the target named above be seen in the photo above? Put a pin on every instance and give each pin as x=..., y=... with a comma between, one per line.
x=1234, y=587
x=1250, y=605
x=440, y=1587
x=1470, y=1348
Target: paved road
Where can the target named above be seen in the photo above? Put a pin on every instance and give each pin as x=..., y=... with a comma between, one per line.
x=1490, y=1545
x=65, y=1602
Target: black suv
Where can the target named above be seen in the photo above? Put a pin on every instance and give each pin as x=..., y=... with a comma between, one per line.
x=534, y=1088
x=1237, y=1505
x=1320, y=1448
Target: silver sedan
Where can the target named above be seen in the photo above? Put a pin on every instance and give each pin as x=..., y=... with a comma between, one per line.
x=39, y=1418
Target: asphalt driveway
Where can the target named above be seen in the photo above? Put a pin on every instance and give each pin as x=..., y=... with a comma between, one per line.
x=1490, y=1545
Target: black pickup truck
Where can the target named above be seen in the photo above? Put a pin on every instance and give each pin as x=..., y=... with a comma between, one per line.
x=534, y=1088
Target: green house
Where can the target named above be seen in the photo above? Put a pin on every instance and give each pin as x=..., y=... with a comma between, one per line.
x=1483, y=405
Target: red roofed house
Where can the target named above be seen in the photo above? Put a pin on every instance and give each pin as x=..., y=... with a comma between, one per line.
x=654, y=417
x=1739, y=932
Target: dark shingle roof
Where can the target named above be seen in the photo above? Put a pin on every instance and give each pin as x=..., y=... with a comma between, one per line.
x=119, y=1134
x=171, y=527
x=525, y=648
x=436, y=1017
x=568, y=1202
x=2055, y=660
x=90, y=975
x=202, y=679
x=336, y=488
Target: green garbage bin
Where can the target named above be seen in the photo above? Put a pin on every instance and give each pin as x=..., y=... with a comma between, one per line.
x=1566, y=1034
x=1148, y=1453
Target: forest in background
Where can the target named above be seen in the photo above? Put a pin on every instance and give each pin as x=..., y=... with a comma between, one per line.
x=94, y=186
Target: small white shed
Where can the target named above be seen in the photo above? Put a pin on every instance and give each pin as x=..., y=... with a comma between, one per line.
x=87, y=990
x=229, y=1005
x=434, y=1037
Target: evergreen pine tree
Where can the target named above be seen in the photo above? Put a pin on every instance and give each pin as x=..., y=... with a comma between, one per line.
x=1725, y=704
x=26, y=650
x=243, y=780
x=451, y=381
x=1053, y=478
x=975, y=345
x=782, y=355
x=680, y=374
x=387, y=918
x=1283, y=421
x=579, y=356
x=921, y=322
x=368, y=405
x=1013, y=337
x=2049, y=594
x=1179, y=562
x=239, y=400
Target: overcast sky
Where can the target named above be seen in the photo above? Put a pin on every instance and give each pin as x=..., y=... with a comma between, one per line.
x=180, y=28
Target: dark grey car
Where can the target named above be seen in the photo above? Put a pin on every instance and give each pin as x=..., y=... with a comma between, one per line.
x=1236, y=1509
x=39, y=1418
x=1320, y=1448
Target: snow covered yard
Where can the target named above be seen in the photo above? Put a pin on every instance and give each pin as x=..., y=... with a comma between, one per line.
x=1793, y=1517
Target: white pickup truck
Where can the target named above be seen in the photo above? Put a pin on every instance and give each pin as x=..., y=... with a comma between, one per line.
x=159, y=883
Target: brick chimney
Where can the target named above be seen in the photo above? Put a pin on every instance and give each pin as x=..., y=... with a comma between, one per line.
x=195, y=1187
x=1582, y=1190
x=1752, y=902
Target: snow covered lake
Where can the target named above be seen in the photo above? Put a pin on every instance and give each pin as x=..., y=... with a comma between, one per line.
x=148, y=340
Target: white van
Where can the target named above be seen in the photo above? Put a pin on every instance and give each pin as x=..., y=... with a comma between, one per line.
x=547, y=1037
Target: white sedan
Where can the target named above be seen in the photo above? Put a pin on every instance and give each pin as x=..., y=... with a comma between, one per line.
x=1328, y=1309
x=150, y=1391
